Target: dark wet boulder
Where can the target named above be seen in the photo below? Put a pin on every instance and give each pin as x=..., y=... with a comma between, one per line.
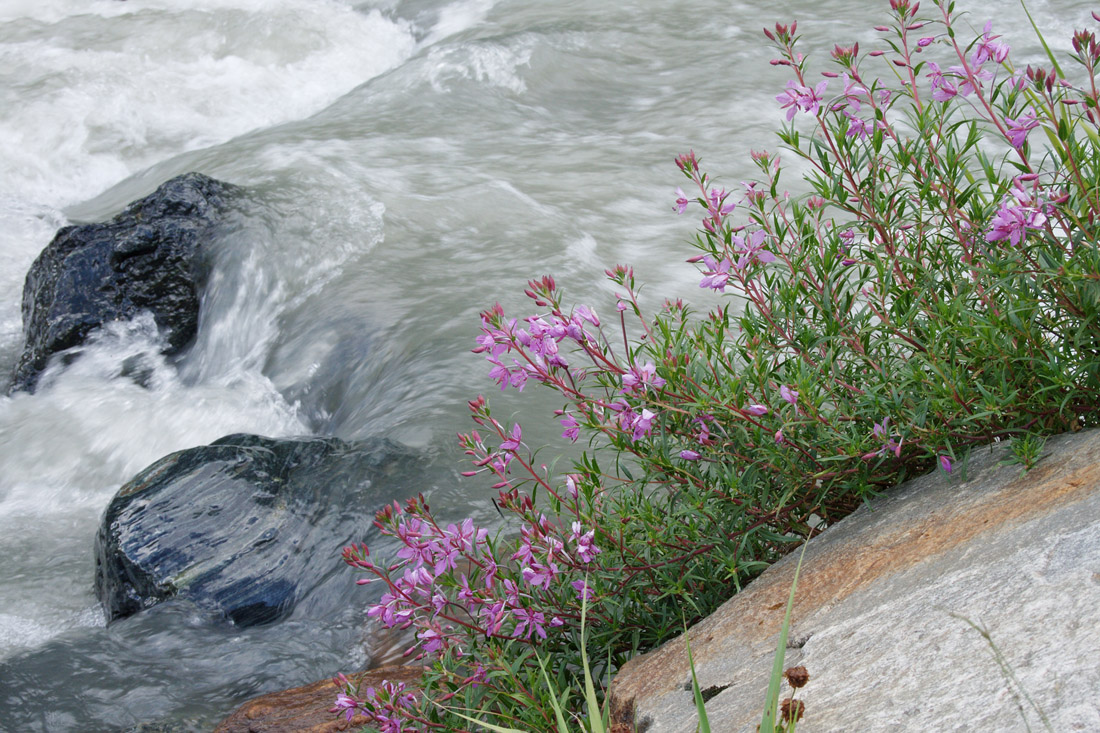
x=245, y=527
x=148, y=258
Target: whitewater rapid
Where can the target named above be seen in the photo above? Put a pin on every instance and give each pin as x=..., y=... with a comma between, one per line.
x=407, y=163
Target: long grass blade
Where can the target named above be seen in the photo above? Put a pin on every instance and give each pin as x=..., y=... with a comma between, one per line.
x=595, y=724
x=704, y=721
x=1042, y=39
x=771, y=702
x=558, y=716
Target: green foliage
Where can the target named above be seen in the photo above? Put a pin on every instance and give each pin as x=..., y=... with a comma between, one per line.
x=937, y=289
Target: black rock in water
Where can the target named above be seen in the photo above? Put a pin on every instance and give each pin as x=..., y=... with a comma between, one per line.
x=245, y=526
x=148, y=258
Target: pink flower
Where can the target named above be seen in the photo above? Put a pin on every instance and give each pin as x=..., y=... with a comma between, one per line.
x=857, y=126
x=431, y=640
x=571, y=481
x=752, y=247
x=681, y=201
x=716, y=204
x=642, y=426
x=1012, y=220
x=945, y=464
x=788, y=394
x=512, y=443
x=641, y=377
x=942, y=88
x=540, y=575
x=796, y=97
x=1020, y=127
x=572, y=427
x=348, y=704
x=756, y=410
x=584, y=313
x=584, y=593
x=718, y=275
x=528, y=623
x=704, y=429
x=586, y=550
x=890, y=445
x=689, y=455
x=989, y=48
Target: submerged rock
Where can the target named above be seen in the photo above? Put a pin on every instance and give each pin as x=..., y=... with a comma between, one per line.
x=148, y=258
x=244, y=526
x=884, y=608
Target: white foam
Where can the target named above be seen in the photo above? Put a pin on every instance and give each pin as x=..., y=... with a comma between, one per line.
x=459, y=16
x=93, y=424
x=67, y=449
x=488, y=63
x=20, y=223
x=105, y=89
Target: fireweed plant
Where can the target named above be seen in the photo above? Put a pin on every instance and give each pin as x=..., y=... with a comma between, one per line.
x=938, y=288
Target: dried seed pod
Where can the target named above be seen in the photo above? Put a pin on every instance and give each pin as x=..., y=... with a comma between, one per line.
x=791, y=709
x=797, y=677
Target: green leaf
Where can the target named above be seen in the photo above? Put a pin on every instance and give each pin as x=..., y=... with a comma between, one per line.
x=771, y=702
x=558, y=704
x=595, y=724
x=704, y=721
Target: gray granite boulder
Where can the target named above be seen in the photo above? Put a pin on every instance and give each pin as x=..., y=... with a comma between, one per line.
x=149, y=258
x=244, y=527
x=884, y=610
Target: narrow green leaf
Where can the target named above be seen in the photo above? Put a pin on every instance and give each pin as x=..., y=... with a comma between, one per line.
x=704, y=722
x=771, y=702
x=562, y=728
x=1042, y=40
x=594, y=722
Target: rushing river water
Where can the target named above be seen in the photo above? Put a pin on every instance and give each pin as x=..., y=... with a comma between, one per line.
x=411, y=162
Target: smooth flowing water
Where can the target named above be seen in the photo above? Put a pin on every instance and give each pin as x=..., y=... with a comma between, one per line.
x=407, y=163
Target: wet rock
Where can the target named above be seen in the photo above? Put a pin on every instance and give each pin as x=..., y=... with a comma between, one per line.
x=148, y=258
x=884, y=606
x=306, y=709
x=245, y=526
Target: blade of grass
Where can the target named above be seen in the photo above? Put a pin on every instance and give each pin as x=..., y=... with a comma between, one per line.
x=1042, y=40
x=483, y=724
x=554, y=698
x=1008, y=673
x=594, y=721
x=704, y=722
x=771, y=702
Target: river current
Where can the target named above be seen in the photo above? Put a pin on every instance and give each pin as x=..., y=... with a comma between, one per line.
x=409, y=162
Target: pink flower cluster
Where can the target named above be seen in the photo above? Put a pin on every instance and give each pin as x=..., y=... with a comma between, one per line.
x=1019, y=212
x=386, y=707
x=965, y=79
x=798, y=97
x=540, y=354
x=448, y=583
